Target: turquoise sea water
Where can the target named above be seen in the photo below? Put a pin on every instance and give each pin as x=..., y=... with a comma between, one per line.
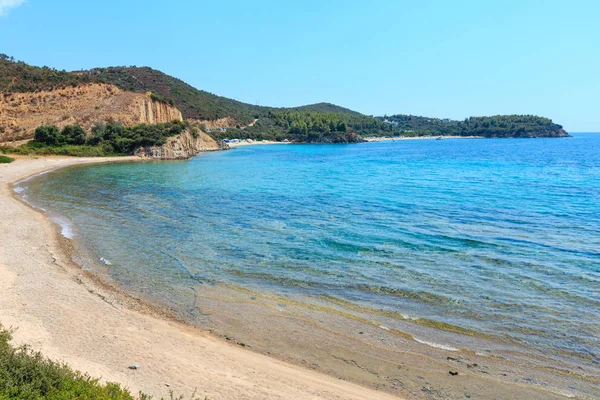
x=499, y=237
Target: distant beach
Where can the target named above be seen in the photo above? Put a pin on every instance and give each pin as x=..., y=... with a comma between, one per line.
x=393, y=139
x=241, y=142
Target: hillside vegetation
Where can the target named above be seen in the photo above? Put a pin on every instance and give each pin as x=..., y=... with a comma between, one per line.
x=193, y=103
x=16, y=76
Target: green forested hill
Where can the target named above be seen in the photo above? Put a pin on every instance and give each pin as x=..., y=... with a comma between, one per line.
x=497, y=126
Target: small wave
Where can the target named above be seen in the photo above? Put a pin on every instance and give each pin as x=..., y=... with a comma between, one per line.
x=106, y=261
x=19, y=189
x=436, y=345
x=65, y=225
x=34, y=176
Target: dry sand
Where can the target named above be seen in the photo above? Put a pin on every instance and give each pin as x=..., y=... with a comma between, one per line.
x=61, y=311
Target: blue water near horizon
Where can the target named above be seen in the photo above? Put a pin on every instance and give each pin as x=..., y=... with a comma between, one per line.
x=496, y=236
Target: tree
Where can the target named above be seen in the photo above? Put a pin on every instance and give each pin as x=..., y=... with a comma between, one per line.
x=48, y=134
x=73, y=134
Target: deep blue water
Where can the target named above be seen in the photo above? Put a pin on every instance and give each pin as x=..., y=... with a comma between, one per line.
x=496, y=236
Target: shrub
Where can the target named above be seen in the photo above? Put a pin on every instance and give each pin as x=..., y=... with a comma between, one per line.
x=25, y=374
x=106, y=139
x=73, y=134
x=48, y=135
x=6, y=160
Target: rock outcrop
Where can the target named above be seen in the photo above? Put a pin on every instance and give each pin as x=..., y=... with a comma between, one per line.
x=182, y=147
x=22, y=113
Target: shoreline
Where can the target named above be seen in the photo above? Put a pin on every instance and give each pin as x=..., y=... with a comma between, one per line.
x=367, y=140
x=70, y=316
x=254, y=143
x=400, y=138
x=428, y=362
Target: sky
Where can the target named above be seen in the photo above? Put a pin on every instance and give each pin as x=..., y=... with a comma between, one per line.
x=447, y=59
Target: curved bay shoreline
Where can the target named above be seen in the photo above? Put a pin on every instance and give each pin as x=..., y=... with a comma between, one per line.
x=70, y=315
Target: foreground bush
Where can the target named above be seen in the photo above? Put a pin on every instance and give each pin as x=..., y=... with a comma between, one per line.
x=6, y=160
x=26, y=374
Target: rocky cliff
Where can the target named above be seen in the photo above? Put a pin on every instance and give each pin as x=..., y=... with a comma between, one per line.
x=22, y=113
x=154, y=112
x=182, y=147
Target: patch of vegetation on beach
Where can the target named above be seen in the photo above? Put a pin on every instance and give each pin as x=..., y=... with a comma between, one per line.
x=112, y=139
x=6, y=159
x=27, y=374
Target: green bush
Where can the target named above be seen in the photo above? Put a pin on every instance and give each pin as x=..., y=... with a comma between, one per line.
x=48, y=135
x=6, y=160
x=25, y=374
x=73, y=134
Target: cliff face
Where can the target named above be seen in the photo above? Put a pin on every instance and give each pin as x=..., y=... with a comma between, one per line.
x=181, y=147
x=154, y=112
x=22, y=113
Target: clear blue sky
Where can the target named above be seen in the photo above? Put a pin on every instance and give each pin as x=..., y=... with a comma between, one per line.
x=436, y=58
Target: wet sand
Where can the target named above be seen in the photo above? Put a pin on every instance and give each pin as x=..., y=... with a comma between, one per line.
x=262, y=346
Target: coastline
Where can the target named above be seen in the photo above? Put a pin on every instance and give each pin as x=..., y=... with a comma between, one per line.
x=367, y=140
x=253, y=143
x=165, y=349
x=69, y=316
x=394, y=139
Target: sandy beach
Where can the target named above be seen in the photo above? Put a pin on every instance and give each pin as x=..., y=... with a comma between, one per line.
x=61, y=311
x=70, y=316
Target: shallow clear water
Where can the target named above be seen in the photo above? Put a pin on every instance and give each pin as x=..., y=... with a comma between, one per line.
x=499, y=237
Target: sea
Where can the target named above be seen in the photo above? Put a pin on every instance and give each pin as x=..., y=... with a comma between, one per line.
x=491, y=238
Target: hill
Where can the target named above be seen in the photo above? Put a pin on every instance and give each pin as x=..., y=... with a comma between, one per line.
x=193, y=103
x=321, y=122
